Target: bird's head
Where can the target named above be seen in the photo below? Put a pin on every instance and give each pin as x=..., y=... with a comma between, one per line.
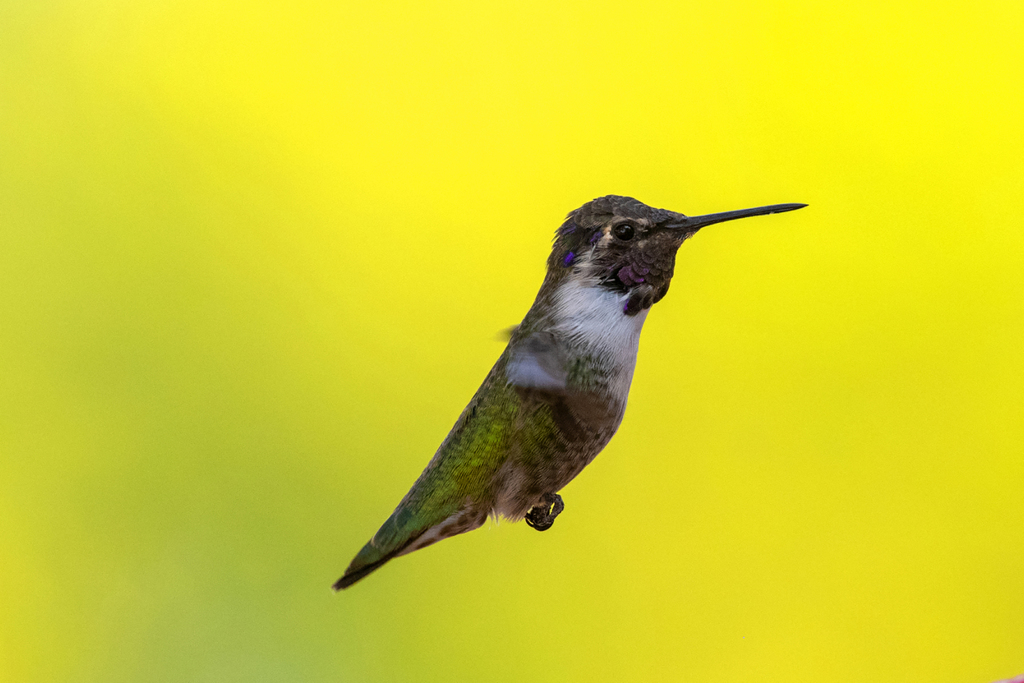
x=626, y=246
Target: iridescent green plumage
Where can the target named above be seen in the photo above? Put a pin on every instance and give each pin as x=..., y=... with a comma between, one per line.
x=498, y=423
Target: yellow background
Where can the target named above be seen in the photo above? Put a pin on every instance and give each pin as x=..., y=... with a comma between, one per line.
x=254, y=258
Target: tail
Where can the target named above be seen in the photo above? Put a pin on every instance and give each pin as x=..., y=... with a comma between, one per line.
x=404, y=532
x=361, y=567
x=400, y=531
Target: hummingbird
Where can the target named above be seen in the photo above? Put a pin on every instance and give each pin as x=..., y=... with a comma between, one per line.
x=557, y=394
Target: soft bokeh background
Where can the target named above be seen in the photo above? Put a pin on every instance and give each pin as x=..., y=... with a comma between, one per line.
x=254, y=257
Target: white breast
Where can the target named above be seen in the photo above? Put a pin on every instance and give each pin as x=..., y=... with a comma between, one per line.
x=592, y=317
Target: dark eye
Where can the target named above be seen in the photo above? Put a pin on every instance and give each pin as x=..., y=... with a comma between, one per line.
x=624, y=232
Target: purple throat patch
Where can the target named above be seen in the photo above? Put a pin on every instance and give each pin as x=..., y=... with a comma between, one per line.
x=632, y=275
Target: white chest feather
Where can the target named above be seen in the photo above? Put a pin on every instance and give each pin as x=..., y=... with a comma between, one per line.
x=593, y=318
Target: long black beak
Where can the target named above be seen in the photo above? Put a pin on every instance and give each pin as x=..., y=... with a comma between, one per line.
x=692, y=224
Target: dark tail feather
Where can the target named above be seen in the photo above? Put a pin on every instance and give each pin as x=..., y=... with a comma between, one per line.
x=401, y=531
x=369, y=560
x=351, y=576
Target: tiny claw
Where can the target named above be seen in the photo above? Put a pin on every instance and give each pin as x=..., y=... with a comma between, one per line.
x=541, y=517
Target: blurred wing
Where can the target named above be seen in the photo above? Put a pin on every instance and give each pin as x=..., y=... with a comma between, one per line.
x=538, y=362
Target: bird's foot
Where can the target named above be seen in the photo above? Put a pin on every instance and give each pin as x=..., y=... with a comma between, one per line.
x=541, y=517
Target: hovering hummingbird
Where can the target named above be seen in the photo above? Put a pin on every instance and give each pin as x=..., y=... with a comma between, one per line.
x=558, y=392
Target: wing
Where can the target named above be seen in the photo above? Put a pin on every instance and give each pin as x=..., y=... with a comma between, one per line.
x=538, y=362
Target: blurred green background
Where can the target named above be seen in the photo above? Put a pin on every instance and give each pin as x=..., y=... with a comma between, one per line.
x=254, y=258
